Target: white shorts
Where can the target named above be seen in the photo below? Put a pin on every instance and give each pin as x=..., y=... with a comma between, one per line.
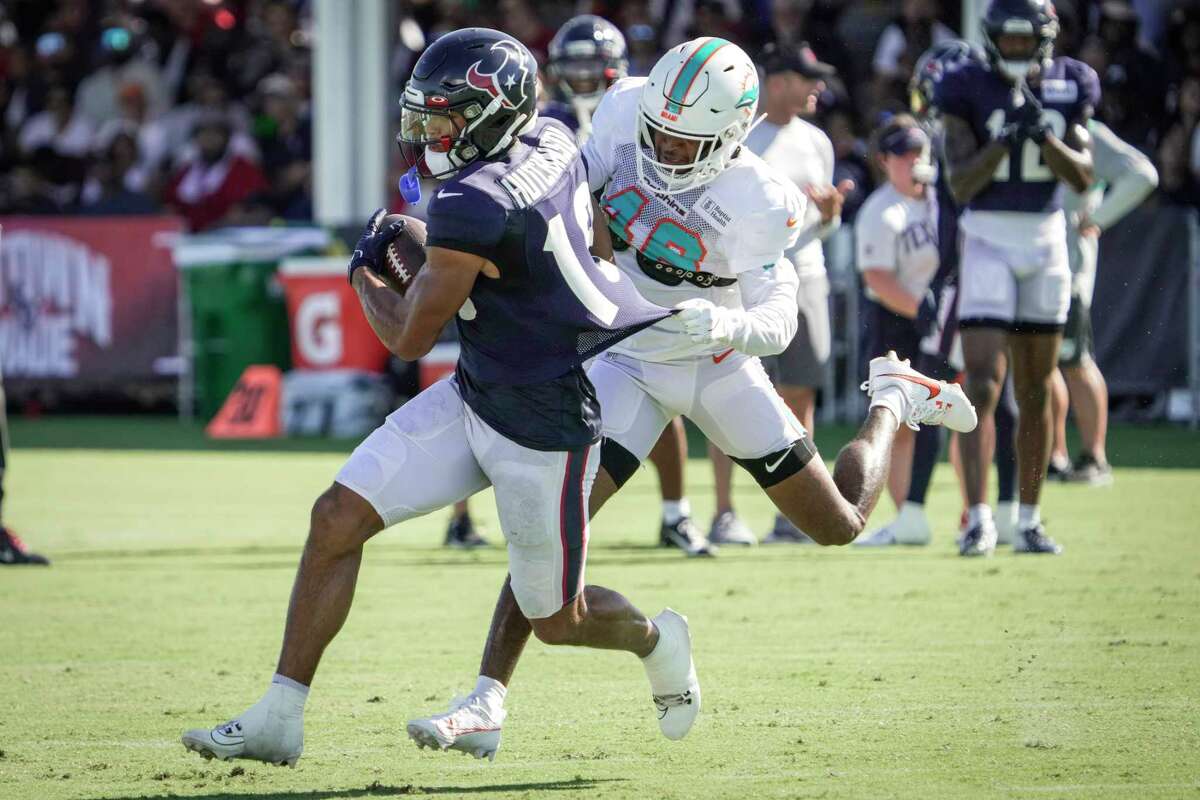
x=1019, y=286
x=434, y=451
x=731, y=400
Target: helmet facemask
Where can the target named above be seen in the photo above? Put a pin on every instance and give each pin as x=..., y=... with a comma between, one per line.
x=439, y=140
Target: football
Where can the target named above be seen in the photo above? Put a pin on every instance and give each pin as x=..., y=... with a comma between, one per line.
x=405, y=255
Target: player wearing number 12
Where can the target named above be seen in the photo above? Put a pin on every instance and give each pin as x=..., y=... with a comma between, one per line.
x=1014, y=127
x=508, y=241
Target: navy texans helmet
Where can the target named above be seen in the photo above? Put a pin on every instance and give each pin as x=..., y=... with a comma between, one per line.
x=932, y=66
x=471, y=93
x=587, y=56
x=1034, y=20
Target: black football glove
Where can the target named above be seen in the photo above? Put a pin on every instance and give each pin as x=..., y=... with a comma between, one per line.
x=372, y=245
x=1031, y=118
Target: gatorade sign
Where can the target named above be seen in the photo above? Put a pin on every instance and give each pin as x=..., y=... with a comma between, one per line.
x=329, y=330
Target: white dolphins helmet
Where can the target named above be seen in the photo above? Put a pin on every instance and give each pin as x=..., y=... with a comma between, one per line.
x=704, y=90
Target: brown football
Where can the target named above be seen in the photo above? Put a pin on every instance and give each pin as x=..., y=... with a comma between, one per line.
x=405, y=254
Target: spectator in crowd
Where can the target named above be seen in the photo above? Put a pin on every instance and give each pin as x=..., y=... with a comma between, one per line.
x=1133, y=86
x=901, y=43
x=116, y=184
x=850, y=158
x=217, y=180
x=1179, y=152
x=58, y=128
x=98, y=94
x=284, y=134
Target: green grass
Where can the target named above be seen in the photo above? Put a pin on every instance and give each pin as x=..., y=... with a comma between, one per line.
x=827, y=673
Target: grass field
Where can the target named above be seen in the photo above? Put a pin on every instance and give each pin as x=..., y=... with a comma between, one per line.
x=826, y=673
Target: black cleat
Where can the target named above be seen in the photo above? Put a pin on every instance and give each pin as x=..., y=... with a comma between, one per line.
x=13, y=551
x=687, y=537
x=1090, y=471
x=1035, y=540
x=1059, y=470
x=462, y=534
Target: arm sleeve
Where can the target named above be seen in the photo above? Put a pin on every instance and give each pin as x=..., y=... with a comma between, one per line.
x=875, y=234
x=760, y=240
x=1130, y=175
x=465, y=219
x=771, y=313
x=600, y=149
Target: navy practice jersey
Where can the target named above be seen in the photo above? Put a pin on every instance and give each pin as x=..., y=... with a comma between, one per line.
x=556, y=109
x=524, y=336
x=1069, y=90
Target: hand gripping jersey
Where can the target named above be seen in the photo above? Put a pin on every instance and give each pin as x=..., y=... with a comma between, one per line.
x=525, y=334
x=690, y=244
x=983, y=98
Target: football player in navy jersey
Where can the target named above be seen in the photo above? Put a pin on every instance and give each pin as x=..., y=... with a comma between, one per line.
x=587, y=55
x=1014, y=127
x=508, y=238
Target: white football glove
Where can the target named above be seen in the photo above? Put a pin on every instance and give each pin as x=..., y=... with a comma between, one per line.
x=707, y=323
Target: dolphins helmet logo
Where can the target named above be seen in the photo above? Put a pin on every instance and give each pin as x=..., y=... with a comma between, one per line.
x=503, y=73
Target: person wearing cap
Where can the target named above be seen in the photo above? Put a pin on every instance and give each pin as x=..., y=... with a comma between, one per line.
x=792, y=80
x=897, y=253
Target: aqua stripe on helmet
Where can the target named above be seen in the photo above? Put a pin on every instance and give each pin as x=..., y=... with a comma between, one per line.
x=687, y=74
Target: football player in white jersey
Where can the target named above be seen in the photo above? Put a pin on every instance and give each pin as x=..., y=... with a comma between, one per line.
x=701, y=223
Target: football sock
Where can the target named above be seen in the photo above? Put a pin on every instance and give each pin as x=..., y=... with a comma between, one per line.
x=1028, y=516
x=297, y=686
x=490, y=693
x=894, y=400
x=675, y=510
x=926, y=449
x=978, y=514
x=658, y=664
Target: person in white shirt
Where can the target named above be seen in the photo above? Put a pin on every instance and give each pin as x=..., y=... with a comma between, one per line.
x=897, y=249
x=795, y=149
x=1124, y=177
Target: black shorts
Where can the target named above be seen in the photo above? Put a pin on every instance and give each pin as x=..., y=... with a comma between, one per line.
x=887, y=330
x=1077, y=339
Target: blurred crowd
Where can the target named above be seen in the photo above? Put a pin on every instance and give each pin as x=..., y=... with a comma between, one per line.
x=203, y=107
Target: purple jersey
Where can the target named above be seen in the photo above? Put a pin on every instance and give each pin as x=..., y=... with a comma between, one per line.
x=1069, y=90
x=525, y=334
x=556, y=109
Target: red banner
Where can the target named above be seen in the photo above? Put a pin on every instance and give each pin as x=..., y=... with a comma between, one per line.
x=87, y=299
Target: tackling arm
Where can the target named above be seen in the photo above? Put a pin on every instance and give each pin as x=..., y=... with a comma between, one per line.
x=763, y=326
x=409, y=324
x=969, y=167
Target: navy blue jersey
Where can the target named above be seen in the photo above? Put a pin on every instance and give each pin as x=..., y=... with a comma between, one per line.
x=552, y=307
x=1069, y=90
x=563, y=112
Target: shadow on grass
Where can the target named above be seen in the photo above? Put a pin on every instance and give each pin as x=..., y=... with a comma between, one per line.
x=382, y=790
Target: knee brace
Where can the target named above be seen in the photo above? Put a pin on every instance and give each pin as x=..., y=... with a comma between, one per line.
x=777, y=467
x=619, y=463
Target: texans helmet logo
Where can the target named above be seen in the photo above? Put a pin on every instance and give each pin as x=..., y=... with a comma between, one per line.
x=503, y=74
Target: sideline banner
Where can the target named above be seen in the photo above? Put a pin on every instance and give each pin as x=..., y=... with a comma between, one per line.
x=88, y=300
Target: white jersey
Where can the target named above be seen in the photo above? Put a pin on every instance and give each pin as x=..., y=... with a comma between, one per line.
x=687, y=245
x=802, y=153
x=898, y=234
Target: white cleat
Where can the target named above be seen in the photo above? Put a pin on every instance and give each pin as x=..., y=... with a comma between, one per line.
x=467, y=727
x=910, y=527
x=272, y=730
x=978, y=540
x=677, y=693
x=928, y=402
